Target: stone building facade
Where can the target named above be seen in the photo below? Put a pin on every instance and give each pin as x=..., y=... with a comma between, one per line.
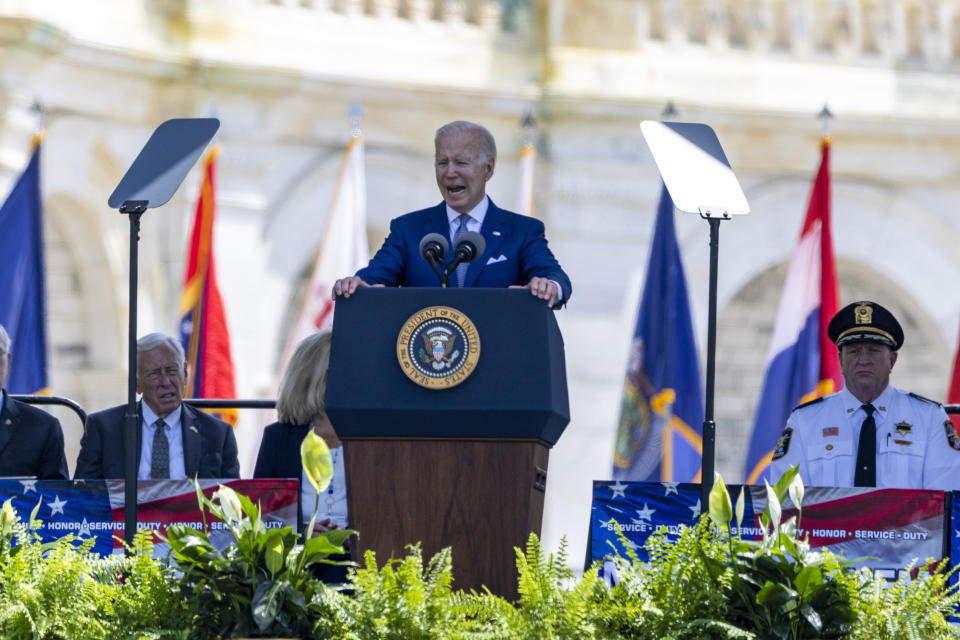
x=281, y=76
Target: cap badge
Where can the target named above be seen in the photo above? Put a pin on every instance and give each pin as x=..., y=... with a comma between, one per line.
x=863, y=313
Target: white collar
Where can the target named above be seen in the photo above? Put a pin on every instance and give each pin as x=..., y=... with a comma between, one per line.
x=149, y=417
x=881, y=402
x=478, y=213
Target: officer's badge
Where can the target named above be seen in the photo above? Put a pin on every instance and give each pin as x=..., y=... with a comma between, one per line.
x=863, y=313
x=438, y=347
x=952, y=439
x=831, y=431
x=903, y=428
x=783, y=445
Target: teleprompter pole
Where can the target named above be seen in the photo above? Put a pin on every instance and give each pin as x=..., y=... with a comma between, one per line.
x=150, y=182
x=709, y=426
x=135, y=209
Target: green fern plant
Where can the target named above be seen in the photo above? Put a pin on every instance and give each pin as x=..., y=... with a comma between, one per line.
x=673, y=594
x=404, y=600
x=552, y=604
x=61, y=589
x=908, y=609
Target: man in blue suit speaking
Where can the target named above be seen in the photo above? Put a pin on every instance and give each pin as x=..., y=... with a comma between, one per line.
x=516, y=253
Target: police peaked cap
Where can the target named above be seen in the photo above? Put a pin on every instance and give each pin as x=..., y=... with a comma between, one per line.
x=865, y=321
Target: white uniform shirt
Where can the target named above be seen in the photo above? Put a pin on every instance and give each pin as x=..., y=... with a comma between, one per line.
x=917, y=447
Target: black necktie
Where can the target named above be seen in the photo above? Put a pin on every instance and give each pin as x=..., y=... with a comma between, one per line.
x=866, y=473
x=160, y=460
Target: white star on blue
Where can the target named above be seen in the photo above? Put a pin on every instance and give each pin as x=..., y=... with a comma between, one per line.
x=618, y=489
x=644, y=514
x=696, y=510
x=57, y=506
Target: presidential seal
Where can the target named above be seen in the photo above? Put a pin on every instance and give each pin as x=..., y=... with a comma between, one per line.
x=438, y=347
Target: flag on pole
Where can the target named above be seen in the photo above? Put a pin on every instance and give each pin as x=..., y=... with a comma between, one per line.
x=23, y=311
x=528, y=158
x=203, y=323
x=802, y=363
x=953, y=395
x=343, y=246
x=661, y=416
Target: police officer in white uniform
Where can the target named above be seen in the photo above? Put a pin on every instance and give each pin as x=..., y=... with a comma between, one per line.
x=870, y=434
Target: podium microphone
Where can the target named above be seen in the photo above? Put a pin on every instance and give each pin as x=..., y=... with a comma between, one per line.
x=433, y=249
x=470, y=246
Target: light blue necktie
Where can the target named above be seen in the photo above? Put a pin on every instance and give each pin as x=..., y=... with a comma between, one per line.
x=462, y=267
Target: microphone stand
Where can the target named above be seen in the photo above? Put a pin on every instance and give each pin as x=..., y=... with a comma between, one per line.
x=450, y=268
x=431, y=259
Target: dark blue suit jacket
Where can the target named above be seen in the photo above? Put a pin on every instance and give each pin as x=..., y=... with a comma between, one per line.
x=279, y=454
x=31, y=442
x=209, y=446
x=519, y=240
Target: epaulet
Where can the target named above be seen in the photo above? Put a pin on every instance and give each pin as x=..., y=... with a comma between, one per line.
x=919, y=397
x=808, y=403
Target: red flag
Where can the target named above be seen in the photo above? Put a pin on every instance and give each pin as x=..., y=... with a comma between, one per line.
x=953, y=395
x=818, y=212
x=203, y=324
x=808, y=302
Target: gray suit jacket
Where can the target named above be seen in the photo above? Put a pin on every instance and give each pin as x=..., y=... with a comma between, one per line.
x=209, y=446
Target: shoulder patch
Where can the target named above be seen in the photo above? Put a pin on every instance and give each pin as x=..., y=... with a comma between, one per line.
x=783, y=445
x=919, y=397
x=808, y=403
x=952, y=439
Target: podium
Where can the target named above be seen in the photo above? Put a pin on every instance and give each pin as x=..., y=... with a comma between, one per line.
x=447, y=402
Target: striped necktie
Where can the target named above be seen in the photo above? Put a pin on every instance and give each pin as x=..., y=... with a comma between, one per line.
x=160, y=460
x=462, y=267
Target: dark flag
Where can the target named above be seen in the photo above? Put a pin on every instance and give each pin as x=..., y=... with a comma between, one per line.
x=23, y=310
x=659, y=437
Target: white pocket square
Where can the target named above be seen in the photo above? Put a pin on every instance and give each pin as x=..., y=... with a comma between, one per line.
x=501, y=258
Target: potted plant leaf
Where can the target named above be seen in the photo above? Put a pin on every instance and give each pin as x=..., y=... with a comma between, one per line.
x=260, y=586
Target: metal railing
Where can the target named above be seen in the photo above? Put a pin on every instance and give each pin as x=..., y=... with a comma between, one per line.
x=53, y=400
x=200, y=403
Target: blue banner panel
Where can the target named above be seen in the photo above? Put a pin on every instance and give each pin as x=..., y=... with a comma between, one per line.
x=94, y=508
x=883, y=529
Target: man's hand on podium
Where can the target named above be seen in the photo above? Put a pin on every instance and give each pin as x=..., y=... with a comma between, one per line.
x=346, y=286
x=542, y=288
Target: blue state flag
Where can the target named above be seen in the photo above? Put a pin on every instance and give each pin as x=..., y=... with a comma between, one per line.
x=661, y=416
x=23, y=303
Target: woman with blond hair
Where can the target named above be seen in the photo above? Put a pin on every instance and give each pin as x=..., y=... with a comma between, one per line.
x=300, y=408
